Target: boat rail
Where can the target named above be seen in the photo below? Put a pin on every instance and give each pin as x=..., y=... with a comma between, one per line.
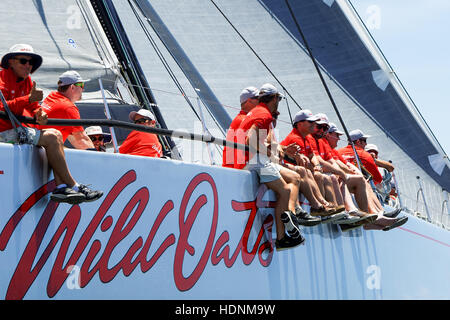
x=423, y=209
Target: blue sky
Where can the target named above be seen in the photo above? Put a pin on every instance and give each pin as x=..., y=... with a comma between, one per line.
x=414, y=37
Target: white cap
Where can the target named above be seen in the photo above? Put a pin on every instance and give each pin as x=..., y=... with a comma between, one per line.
x=333, y=128
x=248, y=93
x=269, y=89
x=94, y=130
x=70, y=77
x=21, y=49
x=357, y=134
x=371, y=147
x=305, y=115
x=143, y=112
x=323, y=119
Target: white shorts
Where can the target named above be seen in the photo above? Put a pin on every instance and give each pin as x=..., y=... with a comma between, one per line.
x=266, y=170
x=11, y=136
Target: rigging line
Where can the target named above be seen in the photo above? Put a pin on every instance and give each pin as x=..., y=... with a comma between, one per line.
x=207, y=138
x=289, y=109
x=334, y=80
x=100, y=51
x=161, y=57
x=316, y=66
x=174, y=93
x=178, y=63
x=129, y=64
x=189, y=96
x=144, y=97
x=163, y=60
x=172, y=74
x=256, y=54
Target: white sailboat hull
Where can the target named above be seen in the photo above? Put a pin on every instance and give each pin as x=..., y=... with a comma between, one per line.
x=170, y=230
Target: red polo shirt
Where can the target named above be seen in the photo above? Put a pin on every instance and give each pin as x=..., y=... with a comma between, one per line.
x=141, y=144
x=295, y=137
x=232, y=136
x=337, y=156
x=366, y=161
x=319, y=147
x=262, y=118
x=16, y=95
x=57, y=106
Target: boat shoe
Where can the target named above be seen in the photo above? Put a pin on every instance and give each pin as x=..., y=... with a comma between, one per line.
x=67, y=195
x=288, y=242
x=393, y=213
x=400, y=221
x=290, y=224
x=305, y=219
x=91, y=195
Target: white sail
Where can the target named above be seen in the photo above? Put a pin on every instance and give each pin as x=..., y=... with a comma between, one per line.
x=232, y=56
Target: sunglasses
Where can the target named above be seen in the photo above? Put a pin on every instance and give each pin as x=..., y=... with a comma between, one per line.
x=142, y=120
x=24, y=61
x=334, y=135
x=322, y=127
x=99, y=138
x=79, y=84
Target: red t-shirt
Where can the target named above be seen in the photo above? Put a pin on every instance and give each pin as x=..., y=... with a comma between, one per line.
x=232, y=136
x=262, y=118
x=57, y=106
x=325, y=145
x=295, y=137
x=141, y=144
x=16, y=96
x=337, y=156
x=319, y=147
x=366, y=161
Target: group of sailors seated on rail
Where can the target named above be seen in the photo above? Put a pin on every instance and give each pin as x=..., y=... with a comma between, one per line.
x=335, y=182
x=22, y=99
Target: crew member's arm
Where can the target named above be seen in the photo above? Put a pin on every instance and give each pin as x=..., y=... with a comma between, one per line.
x=41, y=116
x=80, y=140
x=384, y=164
x=256, y=140
x=369, y=164
x=332, y=167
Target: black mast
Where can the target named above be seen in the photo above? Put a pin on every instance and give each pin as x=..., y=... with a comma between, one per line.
x=130, y=67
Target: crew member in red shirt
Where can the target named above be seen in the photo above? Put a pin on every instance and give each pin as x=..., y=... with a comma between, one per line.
x=304, y=124
x=257, y=126
x=306, y=163
x=354, y=181
x=360, y=140
x=22, y=97
x=61, y=105
x=142, y=143
x=323, y=154
x=19, y=90
x=248, y=99
x=373, y=150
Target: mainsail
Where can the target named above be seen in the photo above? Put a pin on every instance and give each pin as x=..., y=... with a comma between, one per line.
x=247, y=42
